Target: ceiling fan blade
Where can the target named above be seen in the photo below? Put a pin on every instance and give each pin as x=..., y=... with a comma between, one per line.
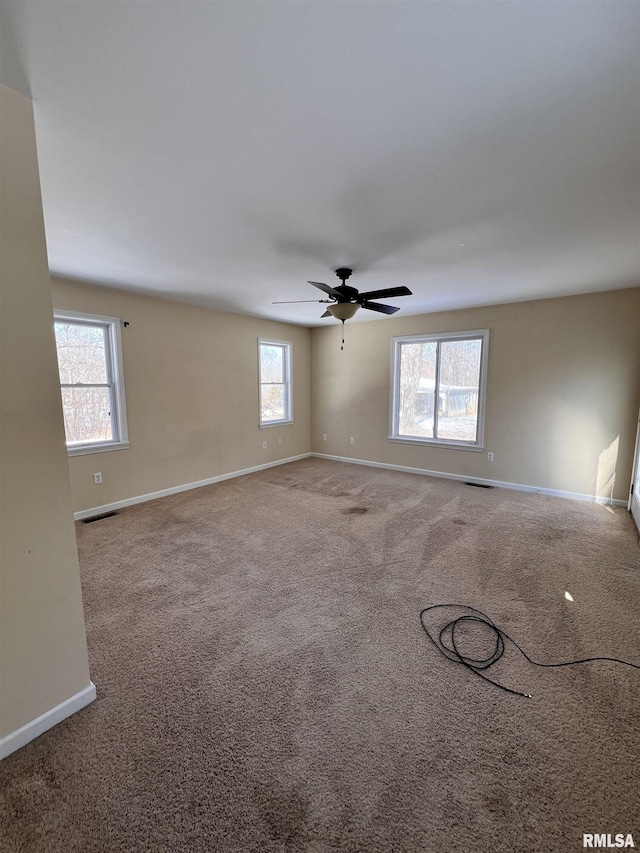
x=376, y=306
x=388, y=293
x=326, y=288
x=292, y=301
x=326, y=314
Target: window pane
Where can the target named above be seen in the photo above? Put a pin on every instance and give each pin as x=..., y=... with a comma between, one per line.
x=459, y=386
x=81, y=353
x=417, y=388
x=272, y=403
x=87, y=414
x=271, y=363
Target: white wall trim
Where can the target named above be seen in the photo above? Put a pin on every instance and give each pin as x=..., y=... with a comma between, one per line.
x=22, y=736
x=163, y=493
x=519, y=487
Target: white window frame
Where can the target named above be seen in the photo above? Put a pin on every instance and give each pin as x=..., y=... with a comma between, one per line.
x=115, y=375
x=445, y=337
x=287, y=382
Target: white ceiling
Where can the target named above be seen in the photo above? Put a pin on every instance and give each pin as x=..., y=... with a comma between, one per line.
x=225, y=152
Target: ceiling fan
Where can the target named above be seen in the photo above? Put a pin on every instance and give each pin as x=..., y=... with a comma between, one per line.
x=344, y=300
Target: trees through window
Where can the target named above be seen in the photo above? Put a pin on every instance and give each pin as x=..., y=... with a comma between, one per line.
x=90, y=366
x=275, y=383
x=439, y=388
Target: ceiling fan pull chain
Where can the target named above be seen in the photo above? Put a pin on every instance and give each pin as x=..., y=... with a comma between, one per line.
x=342, y=344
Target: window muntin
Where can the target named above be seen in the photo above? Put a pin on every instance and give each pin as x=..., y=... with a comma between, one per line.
x=438, y=388
x=90, y=367
x=274, y=362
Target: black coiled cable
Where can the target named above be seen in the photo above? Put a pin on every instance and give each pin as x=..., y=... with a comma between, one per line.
x=477, y=665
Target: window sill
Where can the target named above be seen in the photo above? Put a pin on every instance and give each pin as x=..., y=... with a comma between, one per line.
x=275, y=424
x=436, y=442
x=82, y=450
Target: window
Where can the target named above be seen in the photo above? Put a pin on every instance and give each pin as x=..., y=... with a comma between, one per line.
x=438, y=388
x=90, y=365
x=275, y=383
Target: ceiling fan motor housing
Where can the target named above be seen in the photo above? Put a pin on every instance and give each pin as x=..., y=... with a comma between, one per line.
x=346, y=293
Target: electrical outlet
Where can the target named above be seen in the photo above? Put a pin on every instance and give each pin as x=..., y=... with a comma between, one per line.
x=279, y=442
x=489, y=457
x=97, y=478
x=352, y=440
x=324, y=436
x=264, y=445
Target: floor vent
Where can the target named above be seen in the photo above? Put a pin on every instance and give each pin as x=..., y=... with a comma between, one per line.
x=99, y=517
x=479, y=485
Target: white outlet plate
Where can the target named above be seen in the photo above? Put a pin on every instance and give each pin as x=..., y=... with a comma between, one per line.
x=97, y=478
x=264, y=445
x=352, y=440
x=489, y=457
x=324, y=436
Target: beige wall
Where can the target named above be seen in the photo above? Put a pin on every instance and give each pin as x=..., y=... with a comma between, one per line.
x=562, y=396
x=191, y=384
x=43, y=653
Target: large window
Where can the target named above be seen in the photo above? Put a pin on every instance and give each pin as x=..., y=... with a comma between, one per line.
x=90, y=364
x=274, y=358
x=438, y=388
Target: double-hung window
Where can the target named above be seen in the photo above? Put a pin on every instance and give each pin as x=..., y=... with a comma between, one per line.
x=438, y=388
x=91, y=381
x=274, y=362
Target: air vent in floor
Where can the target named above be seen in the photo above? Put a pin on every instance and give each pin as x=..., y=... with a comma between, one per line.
x=99, y=517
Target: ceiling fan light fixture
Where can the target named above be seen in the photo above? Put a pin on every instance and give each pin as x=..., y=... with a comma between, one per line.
x=343, y=310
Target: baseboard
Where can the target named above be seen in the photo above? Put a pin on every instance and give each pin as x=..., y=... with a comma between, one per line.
x=174, y=490
x=519, y=487
x=46, y=721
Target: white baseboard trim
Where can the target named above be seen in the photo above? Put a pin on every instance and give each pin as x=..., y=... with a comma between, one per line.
x=22, y=736
x=519, y=487
x=163, y=493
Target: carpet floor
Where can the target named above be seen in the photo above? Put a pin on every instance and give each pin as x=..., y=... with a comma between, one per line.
x=264, y=682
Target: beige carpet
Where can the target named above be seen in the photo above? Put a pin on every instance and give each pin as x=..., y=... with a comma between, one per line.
x=264, y=683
